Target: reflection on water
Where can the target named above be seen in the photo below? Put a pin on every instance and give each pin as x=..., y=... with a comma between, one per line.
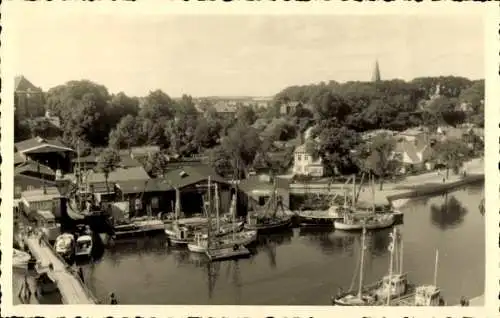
x=448, y=214
x=303, y=266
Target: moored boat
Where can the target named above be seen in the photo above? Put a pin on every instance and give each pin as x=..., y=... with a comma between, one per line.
x=83, y=246
x=370, y=222
x=65, y=245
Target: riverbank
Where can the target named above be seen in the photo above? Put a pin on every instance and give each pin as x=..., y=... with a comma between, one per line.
x=397, y=193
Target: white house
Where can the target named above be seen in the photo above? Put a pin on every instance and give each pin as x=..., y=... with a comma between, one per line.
x=305, y=164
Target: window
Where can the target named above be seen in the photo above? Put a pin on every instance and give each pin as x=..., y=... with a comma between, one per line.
x=138, y=204
x=299, y=157
x=30, y=187
x=18, y=190
x=306, y=157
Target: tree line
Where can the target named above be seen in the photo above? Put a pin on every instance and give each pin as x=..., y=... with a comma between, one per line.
x=256, y=138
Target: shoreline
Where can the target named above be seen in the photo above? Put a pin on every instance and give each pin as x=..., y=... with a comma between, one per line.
x=400, y=192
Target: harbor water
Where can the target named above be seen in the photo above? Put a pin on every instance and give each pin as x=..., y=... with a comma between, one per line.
x=304, y=266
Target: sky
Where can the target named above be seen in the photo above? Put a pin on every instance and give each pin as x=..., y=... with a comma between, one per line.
x=241, y=55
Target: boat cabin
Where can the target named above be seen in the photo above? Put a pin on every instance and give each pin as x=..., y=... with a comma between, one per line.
x=395, y=285
x=428, y=295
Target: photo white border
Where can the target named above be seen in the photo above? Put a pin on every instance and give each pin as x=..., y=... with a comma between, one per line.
x=17, y=12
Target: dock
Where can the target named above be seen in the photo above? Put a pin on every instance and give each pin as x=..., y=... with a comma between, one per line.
x=72, y=289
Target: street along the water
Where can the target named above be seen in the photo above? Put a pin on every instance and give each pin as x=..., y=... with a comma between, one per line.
x=304, y=266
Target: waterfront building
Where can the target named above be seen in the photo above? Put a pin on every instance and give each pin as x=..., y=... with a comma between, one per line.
x=305, y=163
x=95, y=182
x=259, y=188
x=50, y=152
x=39, y=199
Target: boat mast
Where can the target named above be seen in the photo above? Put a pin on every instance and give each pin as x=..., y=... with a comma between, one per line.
x=372, y=185
x=217, y=208
x=436, y=268
x=353, y=190
x=391, y=249
x=235, y=202
x=360, y=288
x=401, y=255
x=209, y=211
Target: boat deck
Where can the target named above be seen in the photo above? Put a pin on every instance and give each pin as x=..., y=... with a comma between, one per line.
x=227, y=253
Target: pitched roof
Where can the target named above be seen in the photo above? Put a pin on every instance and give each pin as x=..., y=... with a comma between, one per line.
x=18, y=158
x=39, y=145
x=32, y=166
x=120, y=174
x=39, y=195
x=21, y=84
x=151, y=185
x=189, y=175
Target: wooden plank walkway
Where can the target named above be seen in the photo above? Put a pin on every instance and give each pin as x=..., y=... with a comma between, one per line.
x=72, y=289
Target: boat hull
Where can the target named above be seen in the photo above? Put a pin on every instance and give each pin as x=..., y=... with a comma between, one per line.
x=270, y=227
x=339, y=225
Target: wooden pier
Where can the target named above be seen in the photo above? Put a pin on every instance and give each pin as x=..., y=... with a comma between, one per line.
x=73, y=291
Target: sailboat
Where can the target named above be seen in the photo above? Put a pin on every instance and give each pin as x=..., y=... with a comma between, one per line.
x=270, y=220
x=353, y=220
x=359, y=298
x=181, y=231
x=231, y=239
x=214, y=248
x=393, y=285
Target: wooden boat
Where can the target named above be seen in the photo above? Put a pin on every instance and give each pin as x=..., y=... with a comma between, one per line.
x=355, y=220
x=423, y=295
x=319, y=217
x=220, y=254
x=370, y=222
x=84, y=246
x=20, y=259
x=213, y=247
x=393, y=285
x=138, y=227
x=65, y=245
x=229, y=239
x=273, y=217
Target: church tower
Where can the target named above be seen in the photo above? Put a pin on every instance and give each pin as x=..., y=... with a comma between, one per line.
x=376, y=73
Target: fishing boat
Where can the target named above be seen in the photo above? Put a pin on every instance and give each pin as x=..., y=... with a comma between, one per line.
x=83, y=246
x=355, y=220
x=393, y=285
x=65, y=245
x=272, y=217
x=20, y=259
x=215, y=248
x=361, y=297
x=228, y=239
x=423, y=295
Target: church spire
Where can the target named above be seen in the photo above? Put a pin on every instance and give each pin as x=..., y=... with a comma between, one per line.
x=376, y=73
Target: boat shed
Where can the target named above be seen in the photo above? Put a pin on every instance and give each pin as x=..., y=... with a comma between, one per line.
x=152, y=196
x=260, y=188
x=192, y=183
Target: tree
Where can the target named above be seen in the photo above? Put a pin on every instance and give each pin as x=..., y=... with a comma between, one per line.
x=452, y=153
x=206, y=134
x=182, y=135
x=126, y=133
x=108, y=161
x=158, y=106
x=378, y=157
x=43, y=127
x=246, y=115
x=185, y=106
x=156, y=164
x=120, y=106
x=335, y=147
x=241, y=145
x=82, y=107
x=444, y=110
